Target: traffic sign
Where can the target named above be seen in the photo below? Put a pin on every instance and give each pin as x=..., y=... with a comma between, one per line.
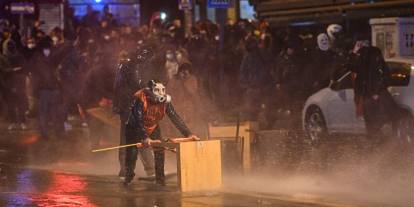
x=221, y=4
x=22, y=8
x=185, y=5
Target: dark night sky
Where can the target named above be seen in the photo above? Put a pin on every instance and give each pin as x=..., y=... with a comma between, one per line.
x=169, y=6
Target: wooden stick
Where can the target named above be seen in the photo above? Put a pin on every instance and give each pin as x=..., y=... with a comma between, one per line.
x=139, y=145
x=177, y=140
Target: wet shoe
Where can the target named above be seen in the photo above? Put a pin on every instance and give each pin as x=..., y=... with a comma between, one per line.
x=128, y=180
x=12, y=126
x=23, y=126
x=160, y=182
x=121, y=175
x=147, y=178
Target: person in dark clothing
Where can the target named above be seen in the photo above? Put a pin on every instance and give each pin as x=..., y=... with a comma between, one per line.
x=288, y=77
x=320, y=70
x=71, y=69
x=150, y=106
x=128, y=80
x=47, y=89
x=15, y=87
x=371, y=83
x=253, y=77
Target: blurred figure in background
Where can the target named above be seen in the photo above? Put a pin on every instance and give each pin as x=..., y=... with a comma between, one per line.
x=288, y=77
x=14, y=86
x=48, y=90
x=171, y=65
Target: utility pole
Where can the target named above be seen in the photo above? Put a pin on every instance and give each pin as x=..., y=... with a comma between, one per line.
x=187, y=6
x=188, y=21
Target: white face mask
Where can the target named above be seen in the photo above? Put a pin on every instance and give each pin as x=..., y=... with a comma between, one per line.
x=323, y=42
x=169, y=56
x=46, y=52
x=31, y=45
x=55, y=40
x=159, y=93
x=217, y=38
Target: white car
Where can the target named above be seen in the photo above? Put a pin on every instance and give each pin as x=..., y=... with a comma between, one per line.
x=332, y=110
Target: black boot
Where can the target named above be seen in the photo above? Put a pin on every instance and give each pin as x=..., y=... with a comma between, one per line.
x=128, y=178
x=160, y=182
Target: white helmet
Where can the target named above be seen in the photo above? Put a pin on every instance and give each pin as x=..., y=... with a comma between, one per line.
x=333, y=31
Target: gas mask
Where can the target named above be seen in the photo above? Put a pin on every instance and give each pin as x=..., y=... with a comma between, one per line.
x=158, y=93
x=323, y=42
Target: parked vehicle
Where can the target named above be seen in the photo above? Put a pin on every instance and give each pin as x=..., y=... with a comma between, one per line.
x=332, y=110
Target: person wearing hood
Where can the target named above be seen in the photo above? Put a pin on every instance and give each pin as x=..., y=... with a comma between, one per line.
x=48, y=90
x=15, y=86
x=288, y=76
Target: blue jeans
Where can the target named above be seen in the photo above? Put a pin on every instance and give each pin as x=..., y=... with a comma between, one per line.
x=50, y=110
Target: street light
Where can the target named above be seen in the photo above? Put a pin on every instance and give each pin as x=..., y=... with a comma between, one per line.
x=163, y=16
x=98, y=1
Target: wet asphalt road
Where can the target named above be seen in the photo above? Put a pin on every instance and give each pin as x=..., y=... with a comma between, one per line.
x=27, y=187
x=63, y=172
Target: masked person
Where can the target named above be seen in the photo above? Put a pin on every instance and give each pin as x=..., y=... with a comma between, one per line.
x=15, y=87
x=48, y=89
x=319, y=72
x=128, y=80
x=150, y=106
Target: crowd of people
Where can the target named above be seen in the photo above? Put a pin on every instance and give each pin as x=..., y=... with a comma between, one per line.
x=242, y=67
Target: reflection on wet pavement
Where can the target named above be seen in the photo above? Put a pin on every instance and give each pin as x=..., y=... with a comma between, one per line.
x=46, y=189
x=28, y=187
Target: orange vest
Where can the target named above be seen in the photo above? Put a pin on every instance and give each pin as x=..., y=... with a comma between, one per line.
x=152, y=112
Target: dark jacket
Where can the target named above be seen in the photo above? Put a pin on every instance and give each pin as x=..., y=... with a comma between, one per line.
x=254, y=70
x=372, y=73
x=13, y=74
x=143, y=123
x=318, y=73
x=44, y=72
x=128, y=80
x=289, y=70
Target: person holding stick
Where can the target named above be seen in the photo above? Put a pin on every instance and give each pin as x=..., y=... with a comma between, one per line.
x=150, y=106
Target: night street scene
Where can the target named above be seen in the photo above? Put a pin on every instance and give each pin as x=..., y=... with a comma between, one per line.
x=206, y=103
